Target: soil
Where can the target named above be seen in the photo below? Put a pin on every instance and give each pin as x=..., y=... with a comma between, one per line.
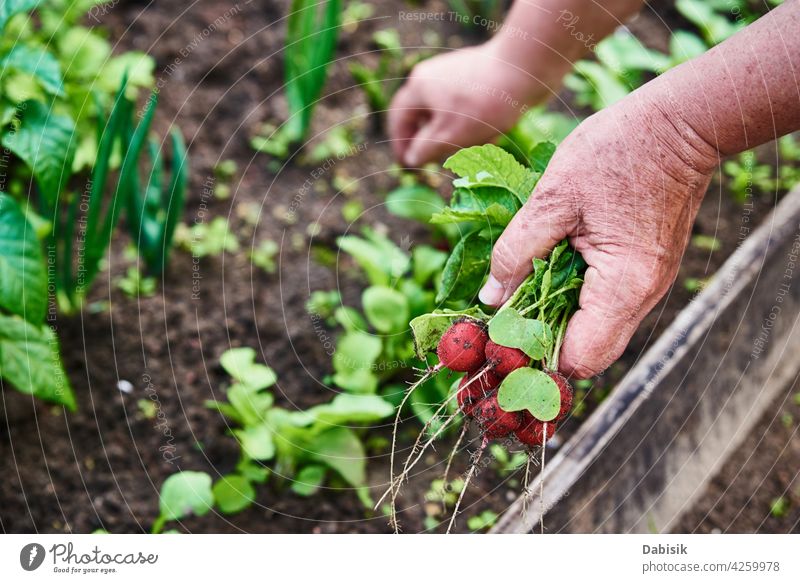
x=220, y=78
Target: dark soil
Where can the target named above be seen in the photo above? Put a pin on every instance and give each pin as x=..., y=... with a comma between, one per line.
x=102, y=467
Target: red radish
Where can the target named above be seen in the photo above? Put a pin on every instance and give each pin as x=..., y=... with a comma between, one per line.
x=495, y=422
x=504, y=360
x=566, y=395
x=473, y=388
x=462, y=346
x=531, y=432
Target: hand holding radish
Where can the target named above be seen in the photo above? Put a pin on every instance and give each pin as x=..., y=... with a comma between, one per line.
x=624, y=188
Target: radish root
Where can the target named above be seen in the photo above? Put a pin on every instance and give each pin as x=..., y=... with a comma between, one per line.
x=450, y=460
x=467, y=480
x=428, y=374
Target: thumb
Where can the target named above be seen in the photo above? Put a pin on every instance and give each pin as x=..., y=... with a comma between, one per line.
x=545, y=220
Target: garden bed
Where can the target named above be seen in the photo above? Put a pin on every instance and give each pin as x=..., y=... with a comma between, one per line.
x=103, y=466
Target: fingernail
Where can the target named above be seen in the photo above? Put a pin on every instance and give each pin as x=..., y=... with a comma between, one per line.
x=412, y=159
x=493, y=292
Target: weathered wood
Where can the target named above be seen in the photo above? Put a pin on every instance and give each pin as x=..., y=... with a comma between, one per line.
x=649, y=450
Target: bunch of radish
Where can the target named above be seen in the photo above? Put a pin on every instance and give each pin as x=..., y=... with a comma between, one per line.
x=511, y=389
x=466, y=347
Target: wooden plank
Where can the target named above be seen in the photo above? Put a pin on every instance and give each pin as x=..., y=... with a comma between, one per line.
x=649, y=450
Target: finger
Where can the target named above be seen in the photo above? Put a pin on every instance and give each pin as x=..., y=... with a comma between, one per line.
x=611, y=309
x=433, y=142
x=547, y=218
x=406, y=114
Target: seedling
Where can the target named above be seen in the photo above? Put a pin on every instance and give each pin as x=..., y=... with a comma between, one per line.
x=263, y=255
x=382, y=82
x=311, y=34
x=134, y=285
x=207, y=239
x=306, y=446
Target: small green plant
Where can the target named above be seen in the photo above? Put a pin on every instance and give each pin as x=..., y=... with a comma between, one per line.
x=482, y=521
x=706, y=242
x=263, y=255
x=153, y=212
x=377, y=344
x=311, y=35
x=382, y=82
x=779, y=507
x=713, y=18
x=324, y=305
x=307, y=447
x=182, y=495
x=207, y=239
x=507, y=462
x=135, y=285
x=622, y=60
x=354, y=13
x=224, y=173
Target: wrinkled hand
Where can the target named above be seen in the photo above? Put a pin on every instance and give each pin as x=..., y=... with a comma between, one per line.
x=458, y=99
x=625, y=188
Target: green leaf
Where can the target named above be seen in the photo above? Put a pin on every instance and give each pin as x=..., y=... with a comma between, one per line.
x=426, y=262
x=623, y=52
x=465, y=269
x=381, y=260
x=714, y=26
x=531, y=389
x=350, y=319
x=684, y=45
x=308, y=480
x=490, y=165
x=533, y=337
x=186, y=494
x=37, y=62
x=482, y=204
x=45, y=142
x=481, y=198
x=137, y=66
x=85, y=51
x=484, y=520
x=540, y=155
x=386, y=309
x=29, y=360
x=347, y=409
x=251, y=406
x=233, y=493
x=9, y=8
x=602, y=87
x=356, y=381
x=429, y=328
x=23, y=277
x=414, y=202
x=353, y=361
x=341, y=449
x=256, y=441
x=252, y=471
x=240, y=364
x=495, y=214
x=312, y=31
